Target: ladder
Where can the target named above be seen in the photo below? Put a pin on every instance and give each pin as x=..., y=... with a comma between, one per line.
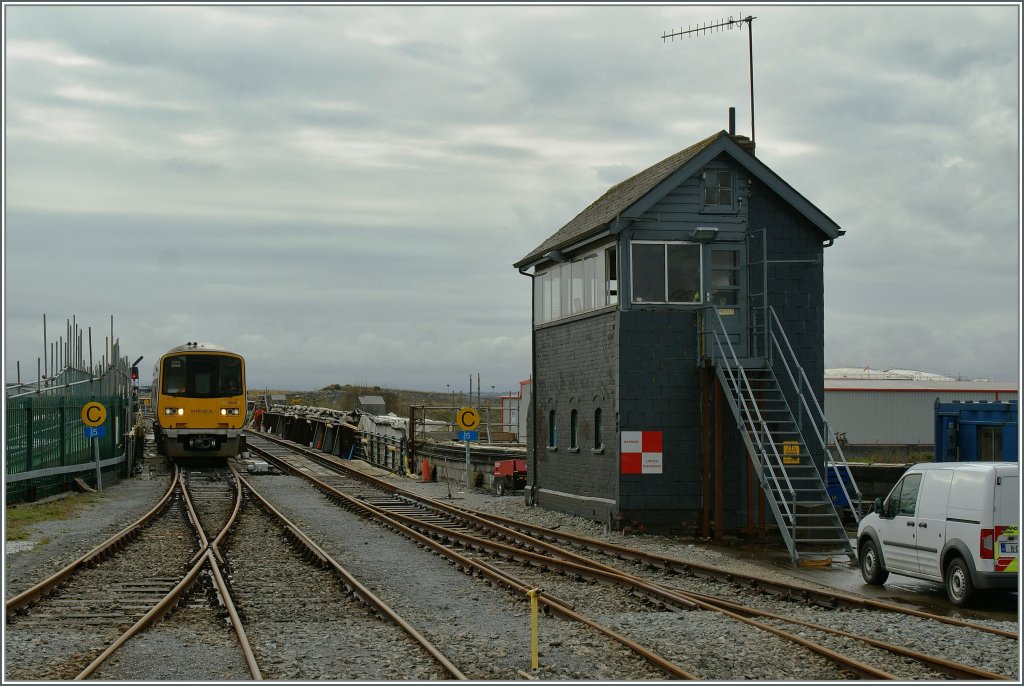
x=783, y=445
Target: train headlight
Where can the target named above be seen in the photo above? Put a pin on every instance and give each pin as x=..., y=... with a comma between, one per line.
x=229, y=410
x=174, y=410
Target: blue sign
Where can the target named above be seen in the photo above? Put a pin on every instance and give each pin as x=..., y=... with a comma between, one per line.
x=469, y=435
x=94, y=431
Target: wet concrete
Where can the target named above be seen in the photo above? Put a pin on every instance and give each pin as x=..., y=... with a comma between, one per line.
x=842, y=575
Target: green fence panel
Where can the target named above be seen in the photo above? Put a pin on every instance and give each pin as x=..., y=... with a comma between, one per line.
x=46, y=432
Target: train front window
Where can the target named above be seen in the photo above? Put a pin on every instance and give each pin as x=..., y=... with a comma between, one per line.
x=230, y=376
x=202, y=376
x=174, y=375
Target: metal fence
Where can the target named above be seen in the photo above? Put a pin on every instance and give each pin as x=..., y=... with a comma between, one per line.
x=46, y=447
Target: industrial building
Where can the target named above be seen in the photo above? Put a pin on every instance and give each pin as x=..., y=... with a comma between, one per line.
x=890, y=413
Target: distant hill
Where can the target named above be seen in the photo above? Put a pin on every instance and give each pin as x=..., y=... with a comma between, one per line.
x=344, y=397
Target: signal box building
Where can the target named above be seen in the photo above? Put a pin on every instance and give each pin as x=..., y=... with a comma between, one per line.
x=678, y=354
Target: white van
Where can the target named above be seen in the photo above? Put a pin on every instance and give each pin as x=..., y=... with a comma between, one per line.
x=951, y=522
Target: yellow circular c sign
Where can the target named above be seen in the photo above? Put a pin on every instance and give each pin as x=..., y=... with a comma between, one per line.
x=94, y=414
x=468, y=419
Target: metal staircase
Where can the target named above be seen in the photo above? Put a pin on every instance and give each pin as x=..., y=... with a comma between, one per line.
x=783, y=445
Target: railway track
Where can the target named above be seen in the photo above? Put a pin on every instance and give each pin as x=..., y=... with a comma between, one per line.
x=481, y=624
x=70, y=624
x=199, y=606
x=290, y=588
x=850, y=654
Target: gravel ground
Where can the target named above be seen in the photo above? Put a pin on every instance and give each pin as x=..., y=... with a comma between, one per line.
x=481, y=628
x=55, y=544
x=489, y=624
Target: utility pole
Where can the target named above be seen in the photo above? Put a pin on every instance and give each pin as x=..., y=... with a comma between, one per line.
x=727, y=25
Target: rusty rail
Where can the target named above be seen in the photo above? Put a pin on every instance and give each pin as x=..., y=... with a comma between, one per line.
x=573, y=563
x=31, y=595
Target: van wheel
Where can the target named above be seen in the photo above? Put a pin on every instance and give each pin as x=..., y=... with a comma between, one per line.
x=871, y=565
x=499, y=487
x=959, y=586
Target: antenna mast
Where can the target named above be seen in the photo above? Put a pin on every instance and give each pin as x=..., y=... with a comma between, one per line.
x=726, y=25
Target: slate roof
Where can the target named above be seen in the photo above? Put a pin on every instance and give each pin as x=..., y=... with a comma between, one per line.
x=623, y=195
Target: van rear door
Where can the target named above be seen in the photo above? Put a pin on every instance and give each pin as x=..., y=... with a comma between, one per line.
x=1007, y=522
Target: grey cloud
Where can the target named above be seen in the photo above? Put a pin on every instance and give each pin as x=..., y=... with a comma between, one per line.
x=358, y=180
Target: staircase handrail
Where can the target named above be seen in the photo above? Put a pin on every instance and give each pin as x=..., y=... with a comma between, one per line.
x=747, y=397
x=826, y=432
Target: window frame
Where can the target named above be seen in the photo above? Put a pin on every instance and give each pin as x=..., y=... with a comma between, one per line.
x=665, y=273
x=577, y=287
x=718, y=207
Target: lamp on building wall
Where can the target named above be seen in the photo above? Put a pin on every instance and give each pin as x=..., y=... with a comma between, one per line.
x=556, y=256
x=704, y=234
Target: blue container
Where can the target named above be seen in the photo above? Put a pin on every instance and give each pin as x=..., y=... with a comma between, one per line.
x=835, y=487
x=973, y=431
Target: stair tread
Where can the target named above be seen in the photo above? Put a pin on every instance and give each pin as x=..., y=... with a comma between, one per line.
x=803, y=509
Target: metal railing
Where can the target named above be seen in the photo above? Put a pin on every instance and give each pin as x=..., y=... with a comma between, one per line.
x=755, y=428
x=780, y=353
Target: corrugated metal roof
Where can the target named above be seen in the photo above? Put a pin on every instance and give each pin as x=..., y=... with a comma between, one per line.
x=937, y=385
x=869, y=373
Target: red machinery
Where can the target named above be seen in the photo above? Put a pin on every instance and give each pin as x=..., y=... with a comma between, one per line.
x=509, y=475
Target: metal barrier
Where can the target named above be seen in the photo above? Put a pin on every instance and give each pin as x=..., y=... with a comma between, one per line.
x=46, y=443
x=385, y=452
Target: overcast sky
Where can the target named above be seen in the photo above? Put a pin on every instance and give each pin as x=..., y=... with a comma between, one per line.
x=339, y=192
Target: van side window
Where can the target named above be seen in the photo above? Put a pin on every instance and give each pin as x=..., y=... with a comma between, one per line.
x=908, y=496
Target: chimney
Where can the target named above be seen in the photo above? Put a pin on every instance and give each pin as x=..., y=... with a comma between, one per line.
x=744, y=143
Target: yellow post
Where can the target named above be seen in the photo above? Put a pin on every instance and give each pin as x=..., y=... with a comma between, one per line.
x=534, y=662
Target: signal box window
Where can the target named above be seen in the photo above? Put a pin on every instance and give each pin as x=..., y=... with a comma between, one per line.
x=666, y=272
x=718, y=190
x=581, y=285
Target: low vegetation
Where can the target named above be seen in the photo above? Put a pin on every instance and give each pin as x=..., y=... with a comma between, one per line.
x=20, y=518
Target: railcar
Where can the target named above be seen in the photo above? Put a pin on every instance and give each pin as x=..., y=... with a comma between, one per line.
x=198, y=400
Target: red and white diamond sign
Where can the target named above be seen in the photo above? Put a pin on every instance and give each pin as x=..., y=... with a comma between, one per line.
x=641, y=452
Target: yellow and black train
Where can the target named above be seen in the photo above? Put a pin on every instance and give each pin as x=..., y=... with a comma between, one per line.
x=199, y=401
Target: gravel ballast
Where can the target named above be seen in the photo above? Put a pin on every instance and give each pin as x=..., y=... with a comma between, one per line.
x=484, y=629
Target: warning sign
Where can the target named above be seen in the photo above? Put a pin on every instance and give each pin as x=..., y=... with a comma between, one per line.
x=641, y=452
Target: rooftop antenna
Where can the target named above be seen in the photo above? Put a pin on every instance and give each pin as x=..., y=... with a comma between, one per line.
x=726, y=25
